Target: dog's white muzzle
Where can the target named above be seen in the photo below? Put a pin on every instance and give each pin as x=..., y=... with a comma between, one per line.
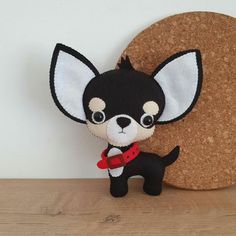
x=122, y=136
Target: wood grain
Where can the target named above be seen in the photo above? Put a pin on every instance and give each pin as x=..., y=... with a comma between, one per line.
x=85, y=207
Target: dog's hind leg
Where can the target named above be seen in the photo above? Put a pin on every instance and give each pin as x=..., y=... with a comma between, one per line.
x=152, y=186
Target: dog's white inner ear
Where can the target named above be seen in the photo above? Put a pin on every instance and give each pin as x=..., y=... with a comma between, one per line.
x=180, y=78
x=72, y=72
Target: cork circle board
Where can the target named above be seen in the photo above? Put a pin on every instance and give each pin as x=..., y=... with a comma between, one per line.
x=207, y=135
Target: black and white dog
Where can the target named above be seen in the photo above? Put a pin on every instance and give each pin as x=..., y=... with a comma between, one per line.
x=123, y=105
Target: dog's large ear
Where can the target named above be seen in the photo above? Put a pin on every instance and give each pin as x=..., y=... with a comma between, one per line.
x=180, y=78
x=70, y=73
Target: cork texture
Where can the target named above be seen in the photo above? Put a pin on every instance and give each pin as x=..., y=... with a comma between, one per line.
x=207, y=135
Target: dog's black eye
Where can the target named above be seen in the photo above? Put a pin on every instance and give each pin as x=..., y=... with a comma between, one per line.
x=146, y=120
x=98, y=117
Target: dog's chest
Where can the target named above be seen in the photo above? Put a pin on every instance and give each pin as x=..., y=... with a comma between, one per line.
x=117, y=171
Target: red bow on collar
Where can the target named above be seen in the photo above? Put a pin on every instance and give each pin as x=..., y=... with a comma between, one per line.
x=118, y=160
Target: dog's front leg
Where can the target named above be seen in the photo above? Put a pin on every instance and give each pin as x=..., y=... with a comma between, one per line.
x=118, y=186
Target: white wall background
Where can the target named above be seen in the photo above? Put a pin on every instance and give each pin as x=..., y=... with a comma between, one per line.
x=36, y=139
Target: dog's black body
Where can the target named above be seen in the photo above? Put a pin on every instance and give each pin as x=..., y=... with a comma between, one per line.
x=148, y=165
x=125, y=91
x=123, y=106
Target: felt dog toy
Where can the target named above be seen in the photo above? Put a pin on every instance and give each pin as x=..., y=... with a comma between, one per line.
x=123, y=106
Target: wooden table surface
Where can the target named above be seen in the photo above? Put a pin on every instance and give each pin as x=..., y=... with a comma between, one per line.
x=85, y=207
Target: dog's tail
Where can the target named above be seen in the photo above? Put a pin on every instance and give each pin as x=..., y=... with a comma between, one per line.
x=171, y=157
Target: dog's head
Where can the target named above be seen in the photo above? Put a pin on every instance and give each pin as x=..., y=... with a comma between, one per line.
x=123, y=105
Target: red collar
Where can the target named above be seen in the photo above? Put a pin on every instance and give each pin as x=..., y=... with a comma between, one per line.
x=118, y=160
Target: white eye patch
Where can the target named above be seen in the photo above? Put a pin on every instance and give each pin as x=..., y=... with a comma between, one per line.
x=96, y=104
x=151, y=108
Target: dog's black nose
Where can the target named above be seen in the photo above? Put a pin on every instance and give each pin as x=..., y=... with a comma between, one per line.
x=123, y=122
